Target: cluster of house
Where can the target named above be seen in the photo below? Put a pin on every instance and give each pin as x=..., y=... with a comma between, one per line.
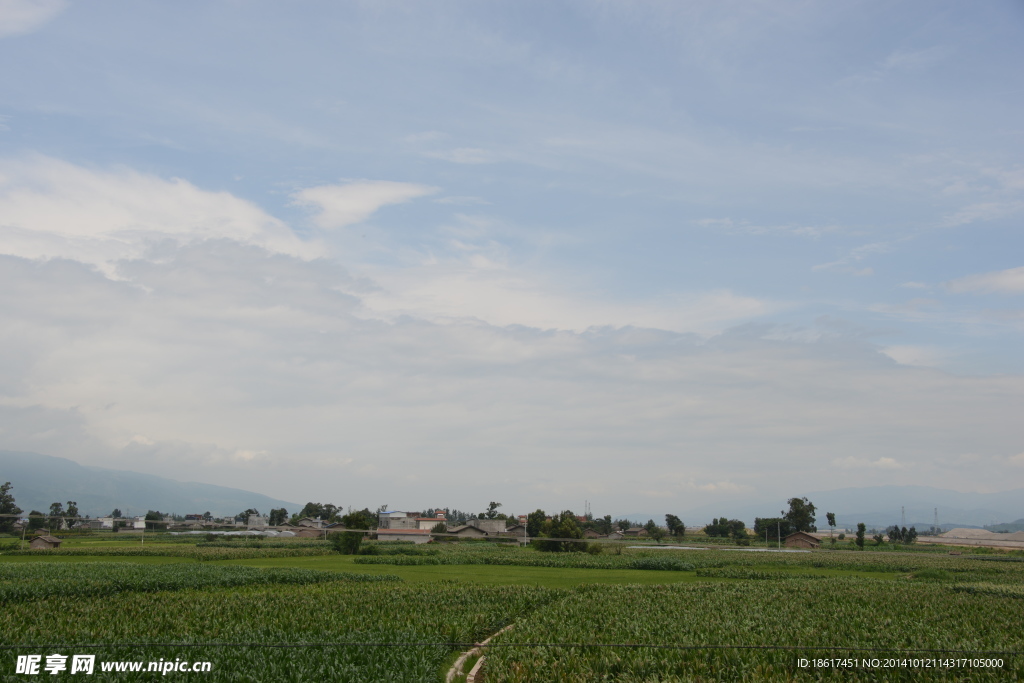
x=393, y=525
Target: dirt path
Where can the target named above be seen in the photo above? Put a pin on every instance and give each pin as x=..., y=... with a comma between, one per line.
x=458, y=668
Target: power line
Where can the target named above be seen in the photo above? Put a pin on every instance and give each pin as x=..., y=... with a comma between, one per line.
x=638, y=646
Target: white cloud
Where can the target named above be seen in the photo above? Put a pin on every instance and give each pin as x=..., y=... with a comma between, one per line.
x=731, y=226
x=923, y=356
x=854, y=462
x=1009, y=281
x=25, y=16
x=914, y=60
x=462, y=201
x=482, y=287
x=252, y=366
x=337, y=206
x=53, y=209
x=982, y=211
x=856, y=255
x=465, y=155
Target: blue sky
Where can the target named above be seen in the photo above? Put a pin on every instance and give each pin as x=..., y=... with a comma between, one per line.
x=535, y=245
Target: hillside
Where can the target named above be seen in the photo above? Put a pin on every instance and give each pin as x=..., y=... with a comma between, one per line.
x=42, y=479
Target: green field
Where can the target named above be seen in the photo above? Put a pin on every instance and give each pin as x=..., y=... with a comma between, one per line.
x=304, y=613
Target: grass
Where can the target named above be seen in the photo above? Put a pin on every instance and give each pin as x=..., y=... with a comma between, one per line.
x=492, y=575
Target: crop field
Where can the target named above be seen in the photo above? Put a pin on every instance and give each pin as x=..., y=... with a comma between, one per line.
x=302, y=613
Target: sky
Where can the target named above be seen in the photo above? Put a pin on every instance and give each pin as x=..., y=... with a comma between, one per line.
x=641, y=255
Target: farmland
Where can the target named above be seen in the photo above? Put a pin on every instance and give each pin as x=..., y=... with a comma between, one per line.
x=404, y=613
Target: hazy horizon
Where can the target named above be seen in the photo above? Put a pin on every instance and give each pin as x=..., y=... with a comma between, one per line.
x=652, y=255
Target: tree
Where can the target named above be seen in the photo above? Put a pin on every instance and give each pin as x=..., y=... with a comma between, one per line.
x=879, y=539
x=207, y=517
x=911, y=536
x=726, y=528
x=831, y=517
x=623, y=524
x=348, y=542
x=439, y=528
x=56, y=515
x=492, y=510
x=72, y=513
x=152, y=517
x=36, y=520
x=861, y=528
x=278, y=516
x=603, y=525
x=562, y=526
x=654, y=531
x=772, y=528
x=535, y=523
x=675, y=526
x=244, y=516
x=7, y=507
x=801, y=514
x=327, y=512
x=116, y=514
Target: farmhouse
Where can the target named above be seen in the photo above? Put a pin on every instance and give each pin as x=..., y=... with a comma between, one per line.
x=429, y=523
x=514, y=530
x=44, y=543
x=396, y=519
x=414, y=535
x=488, y=526
x=467, y=531
x=307, y=532
x=799, y=539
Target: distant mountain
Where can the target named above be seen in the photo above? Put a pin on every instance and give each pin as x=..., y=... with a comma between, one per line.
x=1008, y=527
x=39, y=480
x=876, y=506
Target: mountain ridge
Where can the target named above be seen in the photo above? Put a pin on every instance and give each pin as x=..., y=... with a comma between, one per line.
x=39, y=480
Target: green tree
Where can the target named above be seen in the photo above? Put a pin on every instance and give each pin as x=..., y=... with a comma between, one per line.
x=71, y=513
x=153, y=517
x=831, y=517
x=208, y=517
x=726, y=528
x=7, y=507
x=675, y=526
x=348, y=542
x=861, y=528
x=772, y=528
x=603, y=525
x=116, y=515
x=327, y=512
x=562, y=526
x=439, y=528
x=535, y=523
x=801, y=514
x=36, y=520
x=251, y=512
x=492, y=510
x=277, y=517
x=654, y=531
x=56, y=515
